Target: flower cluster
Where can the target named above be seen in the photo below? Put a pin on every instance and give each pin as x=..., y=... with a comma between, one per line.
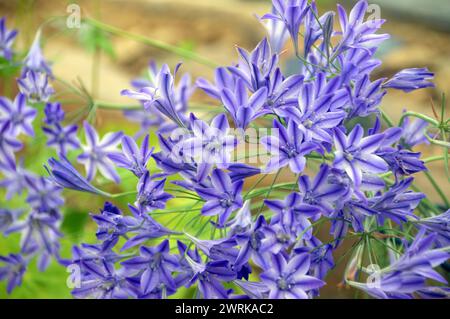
x=241, y=242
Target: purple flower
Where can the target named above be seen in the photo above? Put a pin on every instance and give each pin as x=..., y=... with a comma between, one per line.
x=408, y=273
x=6, y=40
x=315, y=113
x=243, y=109
x=151, y=194
x=65, y=175
x=62, y=138
x=105, y=283
x=132, y=158
x=402, y=161
x=40, y=234
x=439, y=224
x=54, y=114
x=8, y=145
x=409, y=80
x=288, y=279
x=291, y=13
x=147, y=118
x=35, y=60
x=288, y=148
x=398, y=203
x=8, y=217
x=155, y=266
x=356, y=154
x=222, y=198
x=357, y=33
x=277, y=31
x=96, y=152
x=320, y=193
x=14, y=179
x=365, y=96
x=293, y=214
x=160, y=92
x=35, y=86
x=18, y=114
x=43, y=194
x=413, y=132
x=210, y=277
x=210, y=144
x=13, y=269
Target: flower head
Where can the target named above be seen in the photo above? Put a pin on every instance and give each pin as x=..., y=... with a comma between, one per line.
x=18, y=114
x=96, y=153
x=35, y=86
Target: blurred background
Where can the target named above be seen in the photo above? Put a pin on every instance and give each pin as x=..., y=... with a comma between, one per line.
x=420, y=33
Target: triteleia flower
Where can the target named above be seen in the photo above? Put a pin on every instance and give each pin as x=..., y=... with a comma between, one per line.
x=439, y=224
x=18, y=114
x=222, y=198
x=320, y=192
x=414, y=132
x=43, y=194
x=64, y=174
x=13, y=269
x=155, y=266
x=6, y=40
x=35, y=60
x=96, y=152
x=8, y=145
x=365, y=97
x=54, y=114
x=288, y=279
x=408, y=273
x=356, y=154
x=288, y=147
x=133, y=158
x=243, y=109
x=210, y=277
x=315, y=113
x=293, y=214
x=35, y=86
x=277, y=31
x=8, y=217
x=356, y=32
x=105, y=283
x=409, y=80
x=62, y=138
x=151, y=193
x=14, y=179
x=291, y=13
x=210, y=144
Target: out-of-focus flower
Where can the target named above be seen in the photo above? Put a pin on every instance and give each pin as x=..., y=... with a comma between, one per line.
x=35, y=60
x=413, y=132
x=35, y=86
x=13, y=269
x=6, y=40
x=54, y=114
x=18, y=114
x=409, y=80
x=62, y=138
x=43, y=194
x=96, y=153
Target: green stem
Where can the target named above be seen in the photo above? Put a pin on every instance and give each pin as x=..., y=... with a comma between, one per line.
x=437, y=188
x=420, y=116
x=153, y=43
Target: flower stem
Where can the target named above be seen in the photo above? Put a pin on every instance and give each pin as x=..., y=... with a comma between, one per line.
x=437, y=188
x=153, y=43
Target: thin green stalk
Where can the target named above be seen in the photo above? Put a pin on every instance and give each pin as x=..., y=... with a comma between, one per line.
x=153, y=43
x=437, y=188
